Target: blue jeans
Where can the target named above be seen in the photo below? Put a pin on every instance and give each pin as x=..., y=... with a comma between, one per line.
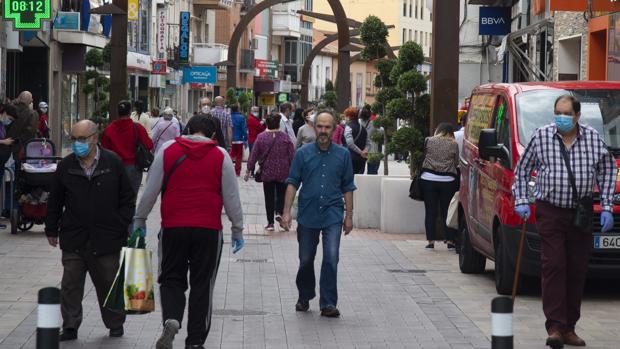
x=308, y=239
x=372, y=169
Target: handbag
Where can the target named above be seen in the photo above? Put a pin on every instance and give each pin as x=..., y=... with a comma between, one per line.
x=258, y=173
x=452, y=218
x=144, y=158
x=584, y=209
x=415, y=189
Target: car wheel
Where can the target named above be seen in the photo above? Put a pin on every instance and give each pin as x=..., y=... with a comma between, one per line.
x=25, y=225
x=470, y=260
x=504, y=266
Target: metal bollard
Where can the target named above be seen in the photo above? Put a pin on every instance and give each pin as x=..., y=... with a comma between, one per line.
x=48, y=318
x=501, y=323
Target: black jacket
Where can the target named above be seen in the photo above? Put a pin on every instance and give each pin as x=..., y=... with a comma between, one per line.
x=24, y=128
x=98, y=210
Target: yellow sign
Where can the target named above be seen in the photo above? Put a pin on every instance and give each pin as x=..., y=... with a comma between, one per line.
x=265, y=100
x=133, y=8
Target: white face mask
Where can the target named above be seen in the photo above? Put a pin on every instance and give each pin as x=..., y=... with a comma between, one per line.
x=206, y=109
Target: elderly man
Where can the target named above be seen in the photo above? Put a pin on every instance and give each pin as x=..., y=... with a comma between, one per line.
x=223, y=116
x=325, y=174
x=205, y=105
x=90, y=207
x=286, y=124
x=26, y=124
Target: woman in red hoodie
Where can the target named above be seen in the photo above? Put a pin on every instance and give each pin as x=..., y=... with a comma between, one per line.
x=255, y=127
x=122, y=137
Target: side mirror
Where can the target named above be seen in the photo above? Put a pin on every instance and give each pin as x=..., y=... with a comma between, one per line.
x=488, y=147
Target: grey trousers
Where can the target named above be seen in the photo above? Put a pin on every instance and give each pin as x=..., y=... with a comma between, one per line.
x=102, y=270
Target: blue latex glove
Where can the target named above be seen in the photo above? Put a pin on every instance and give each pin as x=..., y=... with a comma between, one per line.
x=607, y=221
x=523, y=211
x=237, y=244
x=141, y=230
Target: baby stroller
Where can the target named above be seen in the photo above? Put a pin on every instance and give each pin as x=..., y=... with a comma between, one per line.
x=33, y=178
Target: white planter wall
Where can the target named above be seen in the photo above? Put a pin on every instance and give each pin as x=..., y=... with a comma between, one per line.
x=400, y=214
x=366, y=202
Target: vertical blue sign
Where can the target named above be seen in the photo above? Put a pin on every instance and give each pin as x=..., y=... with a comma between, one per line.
x=495, y=20
x=184, y=38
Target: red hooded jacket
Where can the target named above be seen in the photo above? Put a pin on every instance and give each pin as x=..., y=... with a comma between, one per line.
x=121, y=137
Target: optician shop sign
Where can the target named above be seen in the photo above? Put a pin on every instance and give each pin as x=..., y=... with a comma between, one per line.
x=184, y=38
x=495, y=20
x=27, y=14
x=203, y=75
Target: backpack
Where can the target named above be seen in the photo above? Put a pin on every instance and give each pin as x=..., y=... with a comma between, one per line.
x=144, y=158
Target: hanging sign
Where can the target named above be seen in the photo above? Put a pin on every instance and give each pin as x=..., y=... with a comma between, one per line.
x=161, y=30
x=133, y=9
x=495, y=20
x=27, y=14
x=184, y=38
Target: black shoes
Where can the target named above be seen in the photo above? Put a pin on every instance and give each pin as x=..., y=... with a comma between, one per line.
x=117, y=332
x=68, y=334
x=171, y=328
x=330, y=311
x=451, y=247
x=430, y=247
x=302, y=305
x=195, y=346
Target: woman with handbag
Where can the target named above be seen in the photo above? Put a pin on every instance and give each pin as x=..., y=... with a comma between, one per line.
x=439, y=181
x=273, y=151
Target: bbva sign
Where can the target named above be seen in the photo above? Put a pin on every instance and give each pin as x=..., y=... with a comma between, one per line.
x=495, y=20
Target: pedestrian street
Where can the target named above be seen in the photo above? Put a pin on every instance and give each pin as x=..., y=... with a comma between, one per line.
x=393, y=294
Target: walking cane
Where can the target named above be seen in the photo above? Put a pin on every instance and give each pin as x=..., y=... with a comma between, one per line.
x=515, y=283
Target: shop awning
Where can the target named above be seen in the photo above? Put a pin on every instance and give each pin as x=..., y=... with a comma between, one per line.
x=582, y=5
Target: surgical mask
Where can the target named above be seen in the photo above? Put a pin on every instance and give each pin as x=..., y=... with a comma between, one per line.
x=80, y=149
x=564, y=123
x=7, y=121
x=206, y=109
x=44, y=110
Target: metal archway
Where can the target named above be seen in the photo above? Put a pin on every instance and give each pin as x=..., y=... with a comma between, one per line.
x=340, y=16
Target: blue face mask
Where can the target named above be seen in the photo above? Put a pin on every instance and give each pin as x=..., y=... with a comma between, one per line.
x=7, y=121
x=80, y=149
x=564, y=123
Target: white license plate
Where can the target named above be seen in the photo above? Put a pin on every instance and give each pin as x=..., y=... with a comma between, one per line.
x=607, y=242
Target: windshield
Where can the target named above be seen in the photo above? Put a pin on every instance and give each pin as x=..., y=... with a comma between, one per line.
x=600, y=109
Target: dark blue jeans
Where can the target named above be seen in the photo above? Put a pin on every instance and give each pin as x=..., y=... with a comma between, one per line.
x=306, y=283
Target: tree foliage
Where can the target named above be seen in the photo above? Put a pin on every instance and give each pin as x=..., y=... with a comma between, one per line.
x=373, y=33
x=410, y=56
x=231, y=96
x=384, y=66
x=330, y=98
x=409, y=140
x=97, y=86
x=400, y=108
x=412, y=82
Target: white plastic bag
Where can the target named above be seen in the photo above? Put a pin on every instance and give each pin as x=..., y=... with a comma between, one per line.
x=452, y=218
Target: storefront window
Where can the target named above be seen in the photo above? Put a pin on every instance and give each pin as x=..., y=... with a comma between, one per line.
x=69, y=110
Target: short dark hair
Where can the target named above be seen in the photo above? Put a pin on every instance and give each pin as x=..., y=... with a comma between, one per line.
x=124, y=108
x=286, y=107
x=155, y=112
x=574, y=101
x=200, y=123
x=445, y=129
x=138, y=106
x=234, y=108
x=9, y=109
x=273, y=120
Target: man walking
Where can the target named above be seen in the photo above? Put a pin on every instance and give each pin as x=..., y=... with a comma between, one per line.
x=225, y=120
x=196, y=179
x=240, y=137
x=325, y=174
x=90, y=208
x=122, y=136
x=568, y=157
x=286, y=124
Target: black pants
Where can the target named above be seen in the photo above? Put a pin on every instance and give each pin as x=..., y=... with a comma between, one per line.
x=274, y=198
x=359, y=164
x=437, y=196
x=199, y=250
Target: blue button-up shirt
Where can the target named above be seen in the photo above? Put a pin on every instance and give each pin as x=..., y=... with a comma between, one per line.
x=326, y=176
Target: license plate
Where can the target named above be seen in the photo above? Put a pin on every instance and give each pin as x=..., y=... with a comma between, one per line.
x=607, y=242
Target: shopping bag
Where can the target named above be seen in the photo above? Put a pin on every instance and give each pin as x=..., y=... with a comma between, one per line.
x=132, y=291
x=452, y=218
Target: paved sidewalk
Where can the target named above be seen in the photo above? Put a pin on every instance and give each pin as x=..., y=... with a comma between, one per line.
x=393, y=294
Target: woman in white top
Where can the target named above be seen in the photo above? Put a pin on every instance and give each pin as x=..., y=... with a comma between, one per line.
x=439, y=181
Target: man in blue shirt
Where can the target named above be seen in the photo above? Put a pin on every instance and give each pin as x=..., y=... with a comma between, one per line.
x=326, y=171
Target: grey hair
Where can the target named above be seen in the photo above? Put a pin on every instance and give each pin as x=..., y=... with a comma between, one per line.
x=328, y=111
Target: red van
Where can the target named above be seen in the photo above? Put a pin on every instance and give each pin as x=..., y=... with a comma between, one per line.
x=501, y=120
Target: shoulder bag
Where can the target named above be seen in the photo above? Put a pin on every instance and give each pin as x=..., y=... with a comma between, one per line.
x=584, y=205
x=415, y=189
x=144, y=158
x=167, y=176
x=258, y=173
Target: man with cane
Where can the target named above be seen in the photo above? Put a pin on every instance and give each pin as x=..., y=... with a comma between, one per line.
x=569, y=159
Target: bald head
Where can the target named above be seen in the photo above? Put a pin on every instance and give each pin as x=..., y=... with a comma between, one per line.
x=219, y=101
x=25, y=97
x=324, y=126
x=83, y=128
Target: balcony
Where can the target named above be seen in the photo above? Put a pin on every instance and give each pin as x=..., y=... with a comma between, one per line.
x=213, y=4
x=67, y=30
x=286, y=20
x=246, y=61
x=209, y=54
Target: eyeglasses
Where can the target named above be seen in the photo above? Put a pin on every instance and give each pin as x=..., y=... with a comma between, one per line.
x=82, y=139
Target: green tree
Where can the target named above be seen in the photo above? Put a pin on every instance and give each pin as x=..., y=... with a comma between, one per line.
x=373, y=33
x=329, y=98
x=97, y=84
x=231, y=96
x=245, y=102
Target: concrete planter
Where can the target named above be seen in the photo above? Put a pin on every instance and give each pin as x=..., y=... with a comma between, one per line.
x=400, y=214
x=366, y=202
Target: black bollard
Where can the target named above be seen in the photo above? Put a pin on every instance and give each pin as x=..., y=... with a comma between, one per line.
x=501, y=323
x=48, y=318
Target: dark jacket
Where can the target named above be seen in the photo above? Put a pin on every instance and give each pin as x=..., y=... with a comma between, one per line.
x=98, y=210
x=24, y=128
